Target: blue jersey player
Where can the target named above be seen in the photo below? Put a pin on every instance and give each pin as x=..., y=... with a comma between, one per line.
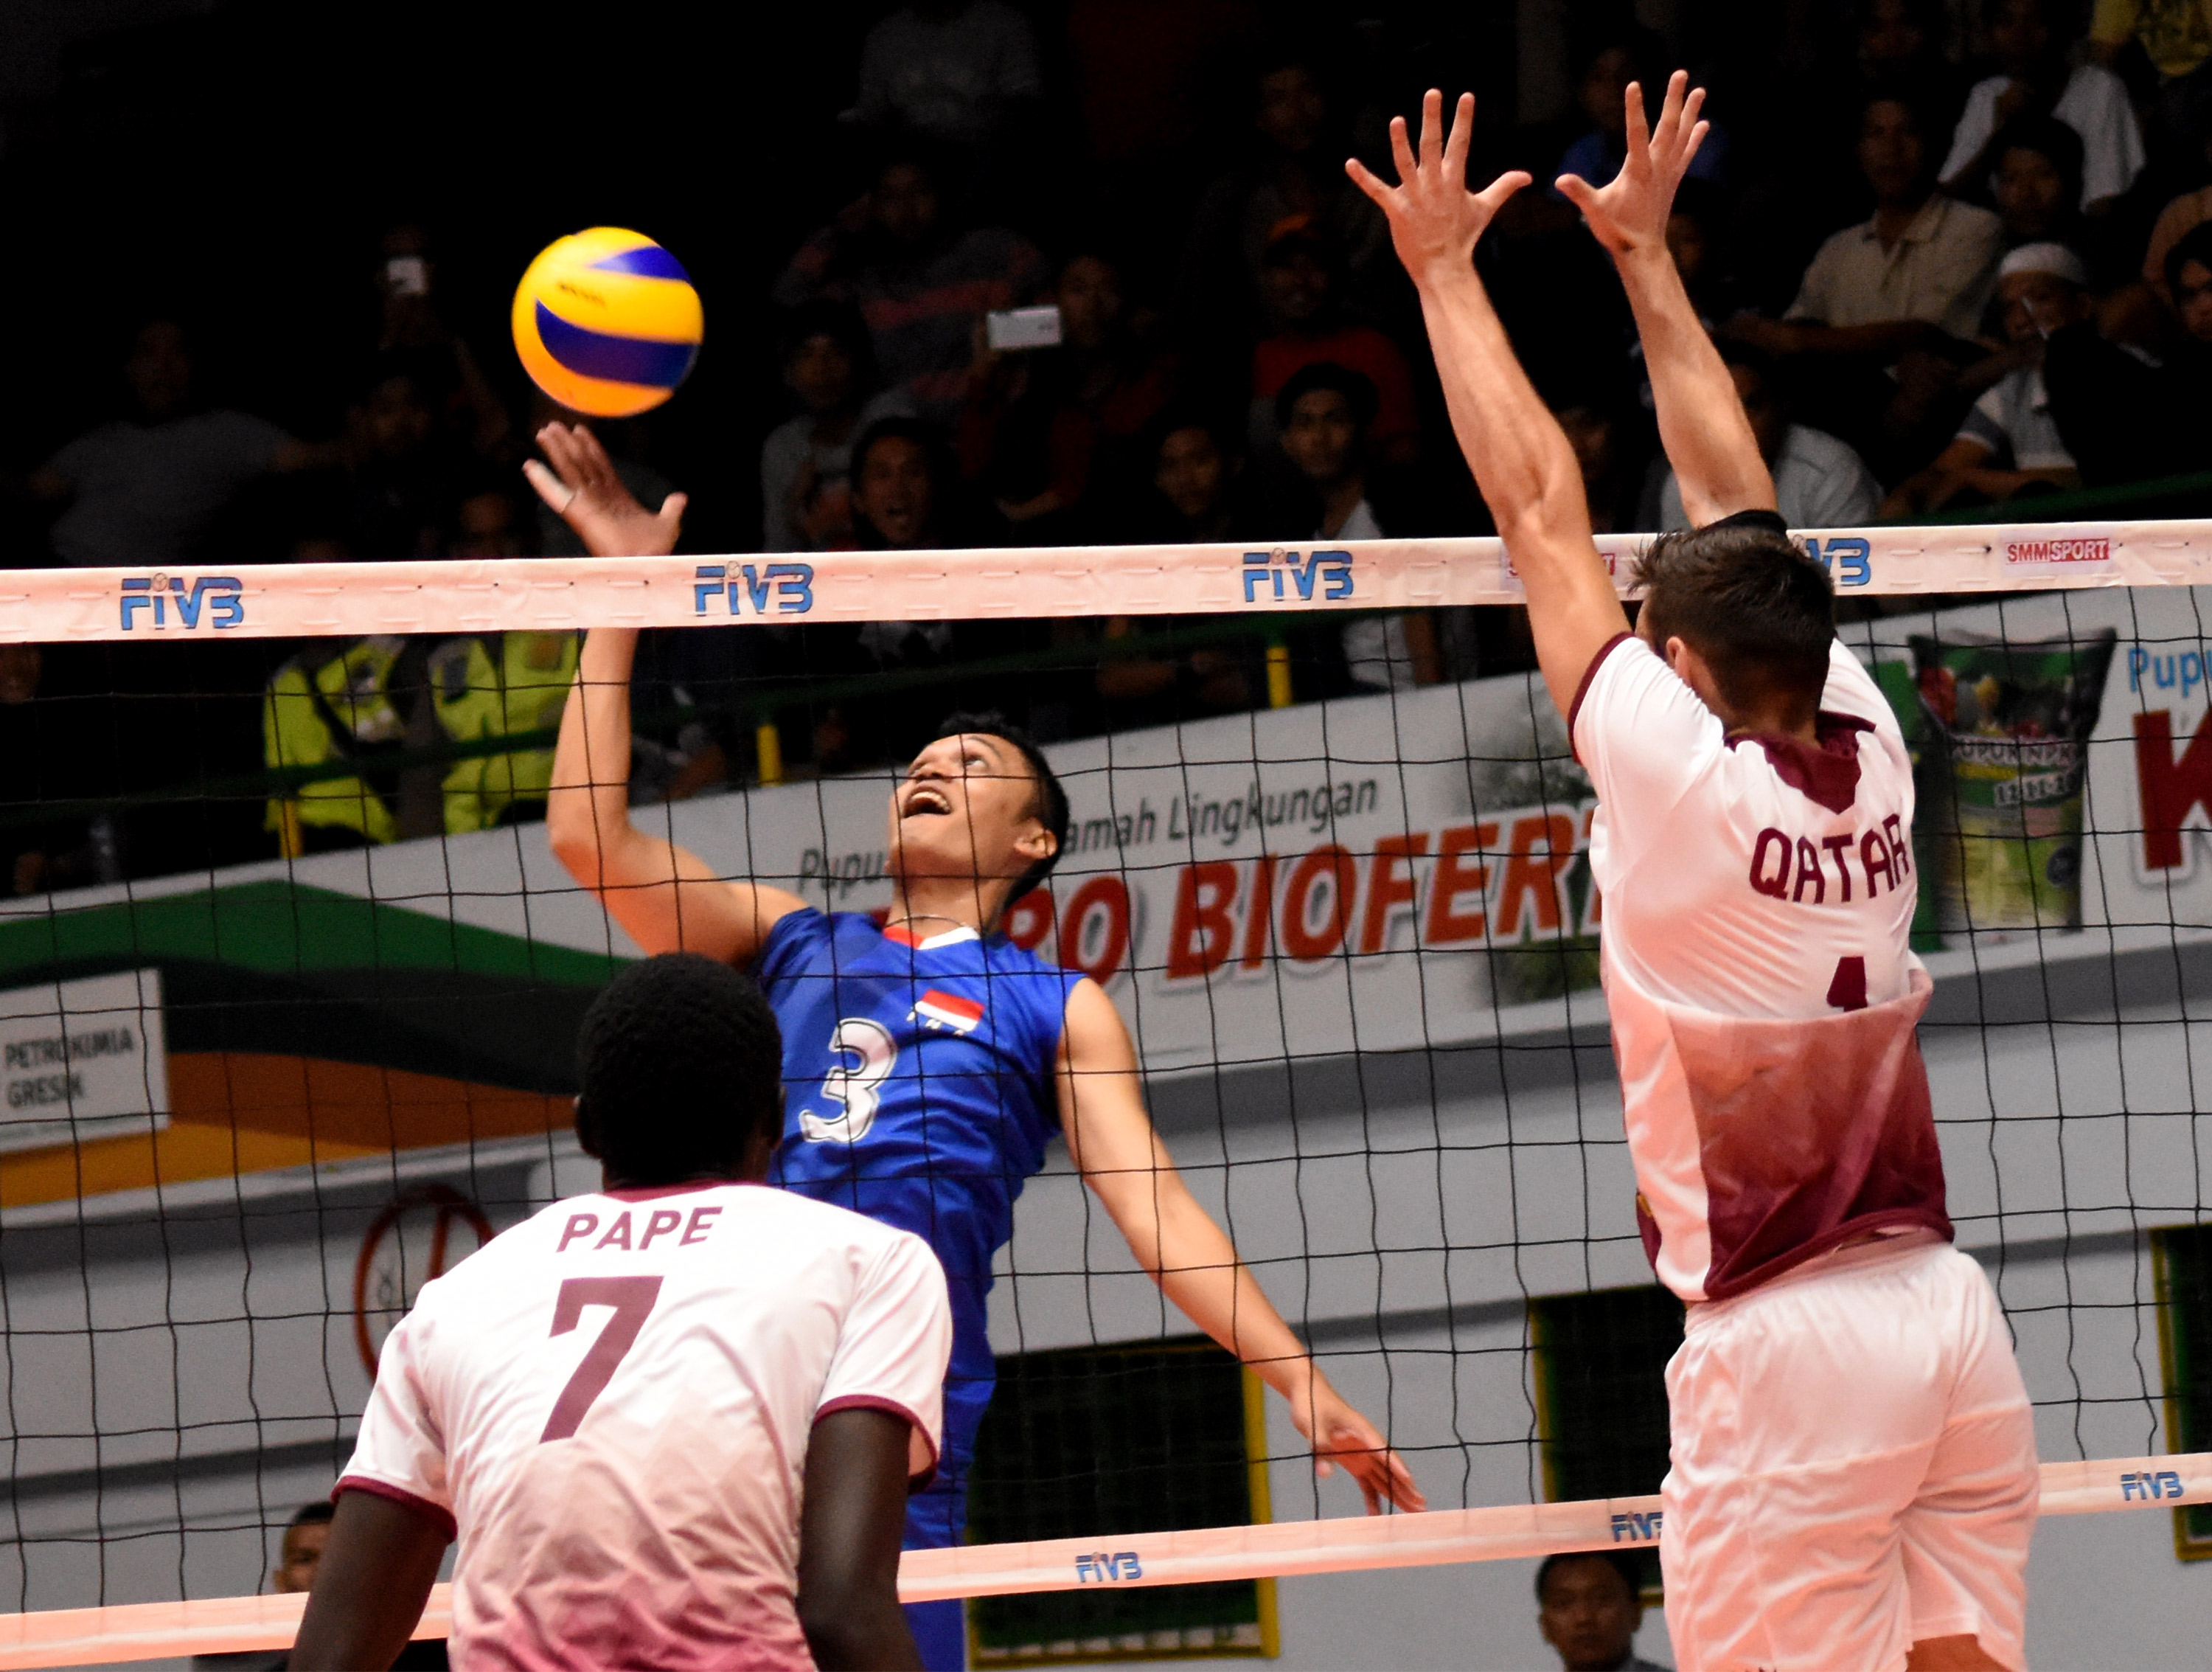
x=929, y=1061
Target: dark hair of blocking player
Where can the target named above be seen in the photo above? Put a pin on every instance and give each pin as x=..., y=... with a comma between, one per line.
x=696, y=1035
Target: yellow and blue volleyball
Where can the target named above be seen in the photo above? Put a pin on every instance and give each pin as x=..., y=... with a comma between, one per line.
x=607, y=323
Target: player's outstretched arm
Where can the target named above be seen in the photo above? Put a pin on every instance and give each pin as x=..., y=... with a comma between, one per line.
x=669, y=900
x=1708, y=439
x=370, y=1586
x=1518, y=453
x=850, y=1523
x=1111, y=1141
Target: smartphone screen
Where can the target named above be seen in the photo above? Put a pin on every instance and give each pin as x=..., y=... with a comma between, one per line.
x=1014, y=329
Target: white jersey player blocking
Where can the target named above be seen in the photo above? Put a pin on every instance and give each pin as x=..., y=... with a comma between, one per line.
x=610, y=1405
x=1852, y=1451
x=1757, y=900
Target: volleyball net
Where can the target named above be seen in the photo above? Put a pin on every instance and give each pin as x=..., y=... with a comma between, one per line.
x=289, y=979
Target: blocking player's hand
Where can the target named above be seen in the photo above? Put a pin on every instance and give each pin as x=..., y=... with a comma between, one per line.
x=1435, y=221
x=1630, y=215
x=1342, y=1439
x=587, y=493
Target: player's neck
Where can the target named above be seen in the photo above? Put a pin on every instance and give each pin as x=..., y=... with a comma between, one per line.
x=929, y=906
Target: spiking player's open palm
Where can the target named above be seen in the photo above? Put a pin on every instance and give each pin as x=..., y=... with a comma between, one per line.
x=1435, y=220
x=1630, y=213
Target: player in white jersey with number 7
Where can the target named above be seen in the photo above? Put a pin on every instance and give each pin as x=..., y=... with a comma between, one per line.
x=673, y=1423
x=1853, y=1479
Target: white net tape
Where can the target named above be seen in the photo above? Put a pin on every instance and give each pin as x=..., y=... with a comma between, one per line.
x=154, y=1631
x=559, y=594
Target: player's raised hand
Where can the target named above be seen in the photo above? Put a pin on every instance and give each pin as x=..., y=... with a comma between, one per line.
x=1342, y=1439
x=1434, y=219
x=1630, y=213
x=587, y=493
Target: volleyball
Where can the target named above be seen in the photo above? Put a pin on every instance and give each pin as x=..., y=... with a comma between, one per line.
x=607, y=323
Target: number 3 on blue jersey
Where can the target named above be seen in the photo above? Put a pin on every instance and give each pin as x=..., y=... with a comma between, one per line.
x=861, y=1054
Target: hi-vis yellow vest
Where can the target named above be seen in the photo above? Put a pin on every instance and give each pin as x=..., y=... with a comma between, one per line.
x=476, y=697
x=313, y=713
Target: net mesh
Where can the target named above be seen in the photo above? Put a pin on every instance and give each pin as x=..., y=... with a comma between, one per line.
x=289, y=979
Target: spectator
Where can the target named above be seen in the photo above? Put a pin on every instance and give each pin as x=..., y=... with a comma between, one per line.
x=2176, y=36
x=920, y=283
x=1301, y=285
x=141, y=492
x=405, y=482
x=1052, y=433
x=1923, y=259
x=1194, y=471
x=2181, y=215
x=1589, y=1607
x=952, y=71
x=806, y=501
x=298, y=1555
x=415, y=338
x=1611, y=471
x=1194, y=479
x=1916, y=275
x=2034, y=79
x=1295, y=170
x=2011, y=441
x=1636, y=56
x=2188, y=269
x=1900, y=46
x=1819, y=482
x=2125, y=416
x=1327, y=412
x=903, y=484
x=2037, y=183
x=487, y=524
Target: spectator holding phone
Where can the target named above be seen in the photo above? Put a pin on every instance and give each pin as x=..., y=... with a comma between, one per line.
x=1051, y=434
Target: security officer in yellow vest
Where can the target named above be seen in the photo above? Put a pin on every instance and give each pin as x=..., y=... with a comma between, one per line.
x=374, y=703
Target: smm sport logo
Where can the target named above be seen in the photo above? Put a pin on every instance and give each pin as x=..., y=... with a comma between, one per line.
x=213, y=600
x=1266, y=569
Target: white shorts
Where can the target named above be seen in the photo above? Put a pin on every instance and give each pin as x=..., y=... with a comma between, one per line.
x=1853, y=1468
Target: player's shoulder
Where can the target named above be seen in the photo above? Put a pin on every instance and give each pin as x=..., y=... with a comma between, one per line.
x=809, y=1228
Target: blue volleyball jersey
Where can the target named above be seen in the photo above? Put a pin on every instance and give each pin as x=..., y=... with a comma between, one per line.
x=918, y=1085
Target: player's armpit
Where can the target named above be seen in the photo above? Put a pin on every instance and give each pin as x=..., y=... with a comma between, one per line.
x=1573, y=610
x=850, y=1524
x=370, y=1586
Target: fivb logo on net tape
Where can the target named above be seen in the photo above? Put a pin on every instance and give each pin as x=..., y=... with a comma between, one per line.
x=758, y=589
x=207, y=601
x=1263, y=570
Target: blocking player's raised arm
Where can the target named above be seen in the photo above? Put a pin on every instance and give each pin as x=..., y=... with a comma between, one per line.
x=1520, y=457
x=668, y=899
x=1702, y=424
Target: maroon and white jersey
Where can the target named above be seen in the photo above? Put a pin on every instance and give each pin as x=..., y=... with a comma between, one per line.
x=1758, y=897
x=611, y=1404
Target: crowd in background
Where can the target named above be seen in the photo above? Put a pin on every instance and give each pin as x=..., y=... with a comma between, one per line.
x=1961, y=258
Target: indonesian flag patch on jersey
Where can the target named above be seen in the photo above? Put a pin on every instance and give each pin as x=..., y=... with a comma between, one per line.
x=947, y=1010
